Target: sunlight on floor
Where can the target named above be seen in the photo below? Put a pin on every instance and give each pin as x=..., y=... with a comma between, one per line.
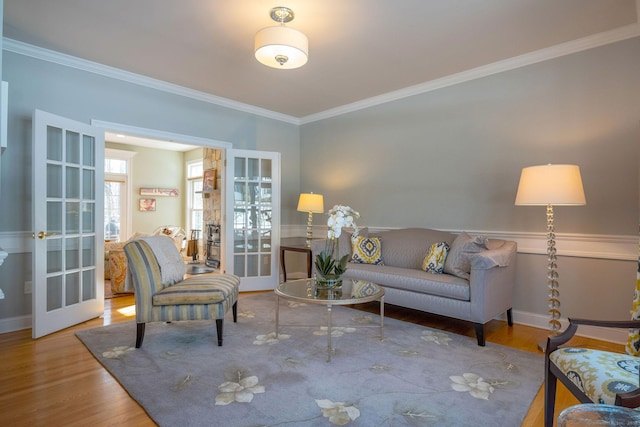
x=128, y=311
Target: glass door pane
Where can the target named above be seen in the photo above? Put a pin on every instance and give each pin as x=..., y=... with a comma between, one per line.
x=254, y=217
x=67, y=261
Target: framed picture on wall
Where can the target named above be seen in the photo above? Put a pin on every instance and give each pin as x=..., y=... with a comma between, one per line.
x=209, y=180
x=147, y=205
x=169, y=192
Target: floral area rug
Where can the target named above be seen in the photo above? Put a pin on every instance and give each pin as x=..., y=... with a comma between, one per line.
x=415, y=376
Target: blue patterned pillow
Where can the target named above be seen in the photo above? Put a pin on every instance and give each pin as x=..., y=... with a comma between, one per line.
x=435, y=258
x=367, y=250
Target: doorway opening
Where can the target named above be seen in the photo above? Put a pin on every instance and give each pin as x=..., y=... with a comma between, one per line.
x=137, y=158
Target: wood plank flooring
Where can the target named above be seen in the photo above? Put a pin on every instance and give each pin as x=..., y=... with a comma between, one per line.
x=56, y=381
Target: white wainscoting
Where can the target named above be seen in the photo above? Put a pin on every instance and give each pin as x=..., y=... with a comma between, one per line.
x=12, y=324
x=573, y=245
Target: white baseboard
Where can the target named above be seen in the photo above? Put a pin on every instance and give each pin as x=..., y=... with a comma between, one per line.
x=614, y=335
x=13, y=324
x=588, y=246
x=618, y=336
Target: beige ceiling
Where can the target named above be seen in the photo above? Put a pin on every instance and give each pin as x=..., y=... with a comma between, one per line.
x=358, y=49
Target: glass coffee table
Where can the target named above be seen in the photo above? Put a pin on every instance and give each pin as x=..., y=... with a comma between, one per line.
x=351, y=292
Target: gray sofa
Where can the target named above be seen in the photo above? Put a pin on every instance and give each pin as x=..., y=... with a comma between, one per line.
x=476, y=285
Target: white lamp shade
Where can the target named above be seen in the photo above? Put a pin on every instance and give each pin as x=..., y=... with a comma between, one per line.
x=280, y=40
x=559, y=185
x=309, y=202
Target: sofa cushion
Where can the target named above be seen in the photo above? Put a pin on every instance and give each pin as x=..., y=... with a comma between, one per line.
x=498, y=255
x=435, y=258
x=367, y=250
x=415, y=280
x=201, y=289
x=344, y=242
x=406, y=247
x=458, y=261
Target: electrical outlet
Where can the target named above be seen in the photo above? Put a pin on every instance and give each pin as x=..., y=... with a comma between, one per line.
x=27, y=287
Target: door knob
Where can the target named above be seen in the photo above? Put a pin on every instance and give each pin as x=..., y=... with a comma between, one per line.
x=43, y=235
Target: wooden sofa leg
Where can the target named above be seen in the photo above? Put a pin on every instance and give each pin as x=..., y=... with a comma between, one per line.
x=219, y=324
x=480, y=334
x=510, y=317
x=139, y=334
x=234, y=309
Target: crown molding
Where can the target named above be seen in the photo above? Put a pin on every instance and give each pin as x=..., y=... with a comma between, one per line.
x=25, y=49
x=574, y=46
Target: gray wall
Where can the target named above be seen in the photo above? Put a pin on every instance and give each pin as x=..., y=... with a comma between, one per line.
x=82, y=96
x=451, y=159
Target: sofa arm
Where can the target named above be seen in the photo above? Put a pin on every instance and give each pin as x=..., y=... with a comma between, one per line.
x=498, y=257
x=491, y=284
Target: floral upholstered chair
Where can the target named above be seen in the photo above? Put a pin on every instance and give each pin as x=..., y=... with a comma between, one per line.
x=115, y=261
x=595, y=376
x=118, y=271
x=161, y=297
x=592, y=376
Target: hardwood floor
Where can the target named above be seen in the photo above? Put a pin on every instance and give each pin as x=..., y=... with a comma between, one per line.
x=56, y=381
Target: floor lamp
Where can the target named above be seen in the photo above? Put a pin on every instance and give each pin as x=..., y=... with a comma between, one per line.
x=549, y=185
x=311, y=203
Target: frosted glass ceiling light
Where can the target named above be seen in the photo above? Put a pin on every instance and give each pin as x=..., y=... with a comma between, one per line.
x=279, y=46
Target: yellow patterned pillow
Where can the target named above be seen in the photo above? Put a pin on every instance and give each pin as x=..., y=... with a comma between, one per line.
x=367, y=250
x=435, y=258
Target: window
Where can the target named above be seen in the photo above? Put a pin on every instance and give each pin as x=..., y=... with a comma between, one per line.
x=114, y=190
x=117, y=168
x=194, y=191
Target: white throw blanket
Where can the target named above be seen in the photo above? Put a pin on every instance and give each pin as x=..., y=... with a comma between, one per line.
x=172, y=268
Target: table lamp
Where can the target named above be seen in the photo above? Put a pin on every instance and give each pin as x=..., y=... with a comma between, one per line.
x=311, y=203
x=549, y=185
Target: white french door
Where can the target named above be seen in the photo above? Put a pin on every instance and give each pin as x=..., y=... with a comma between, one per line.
x=252, y=233
x=68, y=250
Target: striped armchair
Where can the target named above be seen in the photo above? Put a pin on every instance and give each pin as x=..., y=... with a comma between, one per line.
x=201, y=297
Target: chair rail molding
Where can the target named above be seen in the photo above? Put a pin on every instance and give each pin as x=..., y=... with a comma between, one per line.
x=16, y=242
x=601, y=246
x=576, y=245
x=3, y=255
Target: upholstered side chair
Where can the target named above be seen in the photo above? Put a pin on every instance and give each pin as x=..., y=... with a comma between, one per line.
x=200, y=297
x=592, y=376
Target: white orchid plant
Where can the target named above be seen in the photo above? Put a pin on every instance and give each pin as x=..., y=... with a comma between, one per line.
x=339, y=216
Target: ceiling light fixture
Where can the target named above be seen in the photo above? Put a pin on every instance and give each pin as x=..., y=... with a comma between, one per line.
x=280, y=46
